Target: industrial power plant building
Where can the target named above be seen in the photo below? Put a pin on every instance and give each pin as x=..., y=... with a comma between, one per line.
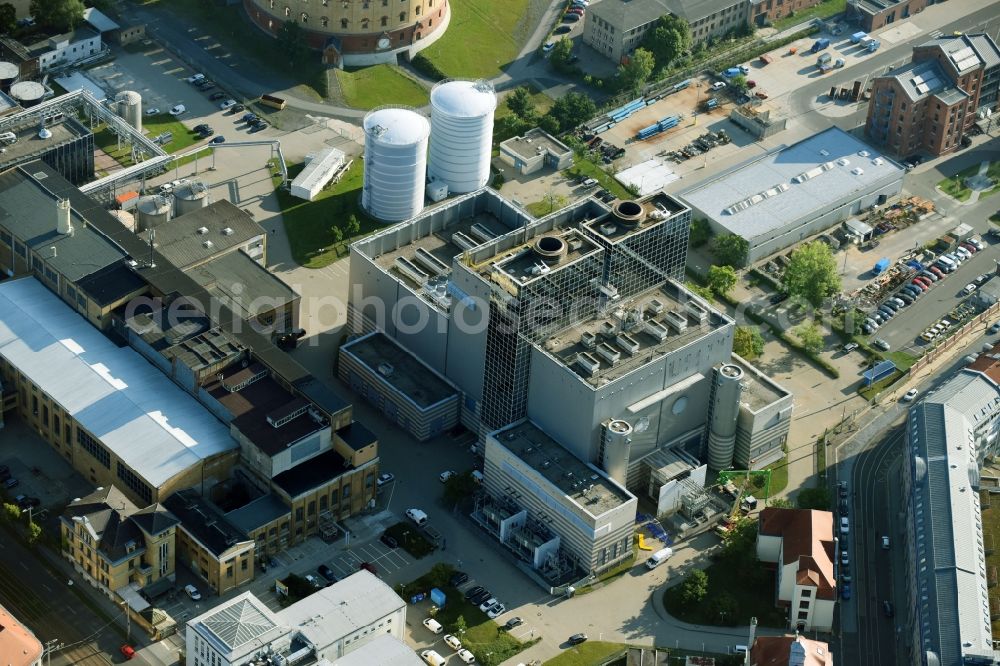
x=509, y=311
x=793, y=192
x=63, y=143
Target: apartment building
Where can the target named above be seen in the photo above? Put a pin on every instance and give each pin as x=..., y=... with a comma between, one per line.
x=929, y=104
x=18, y=644
x=801, y=544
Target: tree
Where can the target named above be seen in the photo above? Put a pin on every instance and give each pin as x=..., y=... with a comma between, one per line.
x=508, y=126
x=730, y=249
x=721, y=279
x=459, y=487
x=811, y=337
x=554, y=201
x=292, y=41
x=572, y=109
x=34, y=532
x=740, y=542
x=748, y=342
x=11, y=511
x=636, y=72
x=668, y=40
x=337, y=233
x=701, y=232
x=561, y=55
x=549, y=124
x=813, y=498
x=724, y=606
x=695, y=587
x=520, y=104
x=459, y=627
x=739, y=82
x=812, y=273
x=8, y=17
x=61, y=15
x=353, y=226
x=780, y=503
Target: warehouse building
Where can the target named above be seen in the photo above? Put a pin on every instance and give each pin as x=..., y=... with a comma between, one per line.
x=788, y=194
x=111, y=414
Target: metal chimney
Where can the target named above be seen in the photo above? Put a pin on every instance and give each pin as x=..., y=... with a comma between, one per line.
x=64, y=220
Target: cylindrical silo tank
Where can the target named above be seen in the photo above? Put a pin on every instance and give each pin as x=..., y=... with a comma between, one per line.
x=461, y=134
x=190, y=196
x=129, y=105
x=724, y=408
x=8, y=73
x=617, y=442
x=27, y=93
x=126, y=218
x=152, y=211
x=395, y=163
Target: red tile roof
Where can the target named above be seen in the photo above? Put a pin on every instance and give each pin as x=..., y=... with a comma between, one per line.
x=18, y=646
x=807, y=537
x=777, y=651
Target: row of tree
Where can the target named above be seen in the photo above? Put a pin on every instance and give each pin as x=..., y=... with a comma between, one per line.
x=564, y=115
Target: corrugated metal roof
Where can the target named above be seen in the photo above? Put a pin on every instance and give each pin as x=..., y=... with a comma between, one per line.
x=147, y=421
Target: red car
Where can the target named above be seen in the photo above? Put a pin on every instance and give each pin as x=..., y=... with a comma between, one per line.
x=919, y=285
x=937, y=271
x=972, y=249
x=127, y=651
x=577, y=11
x=924, y=281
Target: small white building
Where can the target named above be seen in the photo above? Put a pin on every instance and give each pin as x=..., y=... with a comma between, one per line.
x=800, y=542
x=66, y=48
x=535, y=150
x=327, y=624
x=319, y=170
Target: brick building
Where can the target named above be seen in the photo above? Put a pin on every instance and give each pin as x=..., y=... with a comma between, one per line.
x=766, y=11
x=928, y=105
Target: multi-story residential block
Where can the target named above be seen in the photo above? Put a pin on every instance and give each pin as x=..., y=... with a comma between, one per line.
x=789, y=651
x=121, y=549
x=338, y=620
x=790, y=193
x=353, y=35
x=946, y=617
x=801, y=544
x=18, y=644
x=112, y=415
x=929, y=104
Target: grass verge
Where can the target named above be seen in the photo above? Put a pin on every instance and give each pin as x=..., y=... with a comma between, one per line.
x=491, y=29
x=991, y=532
x=153, y=126
x=541, y=102
x=954, y=186
x=379, y=85
x=587, y=654
x=107, y=141
x=869, y=393
x=309, y=223
x=742, y=593
x=585, y=167
x=823, y=10
x=410, y=540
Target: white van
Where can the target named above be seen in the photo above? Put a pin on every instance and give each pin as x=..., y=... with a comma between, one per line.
x=740, y=649
x=417, y=516
x=432, y=658
x=433, y=625
x=658, y=558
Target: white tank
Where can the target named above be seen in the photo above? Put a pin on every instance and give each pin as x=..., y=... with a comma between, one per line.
x=724, y=410
x=395, y=163
x=190, y=196
x=27, y=93
x=129, y=105
x=152, y=211
x=8, y=74
x=461, y=134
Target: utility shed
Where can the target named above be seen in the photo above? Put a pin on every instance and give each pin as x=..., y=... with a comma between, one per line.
x=319, y=171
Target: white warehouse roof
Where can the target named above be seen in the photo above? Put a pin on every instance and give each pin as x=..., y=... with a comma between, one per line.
x=317, y=173
x=114, y=393
x=397, y=127
x=791, y=184
x=464, y=99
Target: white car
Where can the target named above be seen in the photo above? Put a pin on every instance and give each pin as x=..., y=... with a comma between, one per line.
x=466, y=656
x=910, y=395
x=193, y=592
x=969, y=288
x=195, y=78
x=488, y=604
x=885, y=543
x=548, y=47
x=178, y=110
x=844, y=525
x=444, y=476
x=387, y=477
x=432, y=657
x=152, y=111
x=453, y=642
x=228, y=103
x=718, y=85
x=496, y=611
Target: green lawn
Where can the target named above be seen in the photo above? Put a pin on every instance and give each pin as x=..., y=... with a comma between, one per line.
x=541, y=101
x=823, y=10
x=955, y=185
x=747, y=594
x=379, y=85
x=483, y=37
x=108, y=142
x=585, y=167
x=153, y=126
x=308, y=223
x=991, y=539
x=779, y=475
x=587, y=654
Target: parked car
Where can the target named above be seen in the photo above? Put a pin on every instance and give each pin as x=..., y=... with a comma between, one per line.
x=458, y=578
x=473, y=591
x=216, y=95
x=217, y=140
x=571, y=18
x=969, y=288
x=995, y=328
x=978, y=243
x=195, y=78
x=548, y=46
x=488, y=604
x=842, y=489
x=937, y=271
x=466, y=656
x=452, y=642
x=248, y=117
x=718, y=85
x=907, y=296
x=881, y=344
x=495, y=612
x=193, y=592
x=444, y=476
x=384, y=478
x=389, y=540
x=237, y=108
x=152, y=111
x=910, y=395
x=481, y=597
x=513, y=622
x=849, y=347
x=127, y=651
x=845, y=591
x=205, y=133
x=178, y=110
x=778, y=298
x=327, y=573
x=228, y=103
x=11, y=483
x=845, y=526
x=576, y=639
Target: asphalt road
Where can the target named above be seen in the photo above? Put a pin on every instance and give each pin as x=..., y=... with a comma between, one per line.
x=48, y=606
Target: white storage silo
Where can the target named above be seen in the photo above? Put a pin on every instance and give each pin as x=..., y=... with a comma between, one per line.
x=190, y=196
x=461, y=134
x=395, y=163
x=129, y=105
x=727, y=385
x=152, y=211
x=8, y=74
x=27, y=93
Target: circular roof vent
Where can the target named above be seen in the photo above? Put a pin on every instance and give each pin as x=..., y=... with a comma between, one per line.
x=551, y=249
x=629, y=213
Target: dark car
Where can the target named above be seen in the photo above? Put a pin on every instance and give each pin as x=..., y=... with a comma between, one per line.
x=843, y=507
x=458, y=578
x=207, y=132
x=513, y=622
x=29, y=502
x=248, y=117
x=842, y=488
x=217, y=95
x=473, y=591
x=327, y=572
x=481, y=597
x=4, y=472
x=562, y=30
x=207, y=87
x=11, y=483
x=236, y=108
x=389, y=540
x=576, y=639
x=218, y=139
x=778, y=298
x=258, y=126
x=199, y=128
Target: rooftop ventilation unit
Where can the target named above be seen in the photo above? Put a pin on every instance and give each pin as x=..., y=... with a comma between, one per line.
x=676, y=321
x=824, y=152
x=386, y=369
x=877, y=161
x=627, y=343
x=843, y=161
x=607, y=328
x=654, y=306
x=228, y=231
x=481, y=232
x=864, y=153
x=430, y=262
x=406, y=267
x=463, y=241
x=202, y=231
x=696, y=311
x=588, y=363
x=608, y=353
x=657, y=330
x=858, y=171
